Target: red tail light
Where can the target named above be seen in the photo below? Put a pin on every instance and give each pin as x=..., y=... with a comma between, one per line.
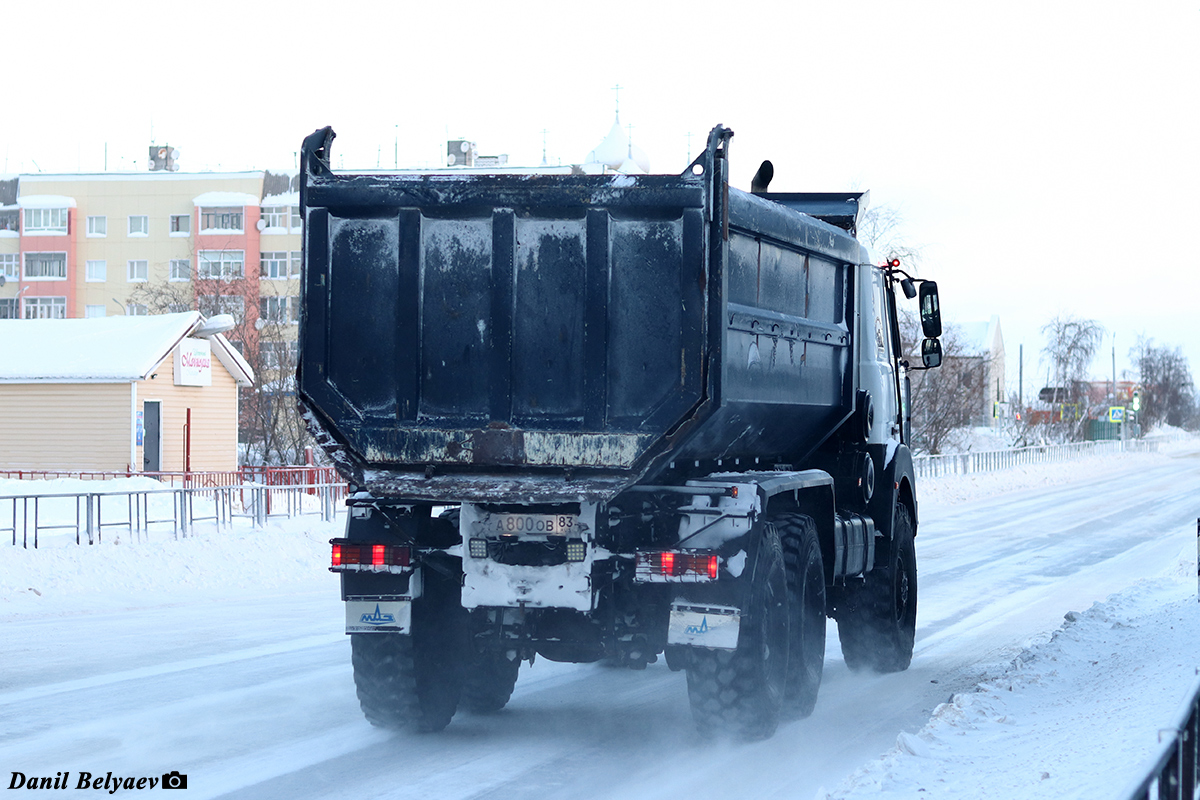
x=676, y=566
x=370, y=557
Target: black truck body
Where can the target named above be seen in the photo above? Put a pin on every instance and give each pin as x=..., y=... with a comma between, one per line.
x=655, y=391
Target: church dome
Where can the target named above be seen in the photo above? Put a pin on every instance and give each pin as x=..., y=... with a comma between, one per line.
x=617, y=153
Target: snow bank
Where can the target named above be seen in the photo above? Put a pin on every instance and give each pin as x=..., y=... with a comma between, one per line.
x=1076, y=715
x=61, y=577
x=951, y=489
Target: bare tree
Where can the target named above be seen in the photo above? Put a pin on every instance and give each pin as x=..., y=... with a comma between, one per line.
x=1071, y=346
x=1168, y=393
x=946, y=398
x=881, y=229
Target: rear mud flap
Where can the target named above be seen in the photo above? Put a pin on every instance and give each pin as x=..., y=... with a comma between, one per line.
x=704, y=626
x=378, y=616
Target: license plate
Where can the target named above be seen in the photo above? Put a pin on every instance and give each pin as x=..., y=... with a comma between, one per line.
x=378, y=616
x=532, y=524
x=704, y=626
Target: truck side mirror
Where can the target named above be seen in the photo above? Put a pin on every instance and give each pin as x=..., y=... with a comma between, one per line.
x=931, y=312
x=931, y=353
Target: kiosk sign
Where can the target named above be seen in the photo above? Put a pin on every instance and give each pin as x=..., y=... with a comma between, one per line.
x=193, y=363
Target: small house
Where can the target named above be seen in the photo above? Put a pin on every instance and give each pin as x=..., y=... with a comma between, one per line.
x=119, y=394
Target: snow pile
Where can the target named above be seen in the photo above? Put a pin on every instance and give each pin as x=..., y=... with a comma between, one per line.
x=1077, y=715
x=119, y=572
x=951, y=489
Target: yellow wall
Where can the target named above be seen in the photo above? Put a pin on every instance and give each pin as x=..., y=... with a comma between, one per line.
x=214, y=418
x=64, y=426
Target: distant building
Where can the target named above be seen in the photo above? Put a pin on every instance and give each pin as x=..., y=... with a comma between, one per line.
x=982, y=343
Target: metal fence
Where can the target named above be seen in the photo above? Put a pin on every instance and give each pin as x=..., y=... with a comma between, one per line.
x=268, y=476
x=25, y=518
x=1173, y=774
x=992, y=460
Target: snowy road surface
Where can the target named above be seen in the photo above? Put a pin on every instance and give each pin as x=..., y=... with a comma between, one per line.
x=139, y=659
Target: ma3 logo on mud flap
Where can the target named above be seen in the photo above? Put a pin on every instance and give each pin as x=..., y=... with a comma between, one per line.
x=378, y=618
x=705, y=627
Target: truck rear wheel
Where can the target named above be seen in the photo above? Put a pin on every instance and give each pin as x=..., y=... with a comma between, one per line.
x=489, y=682
x=740, y=692
x=806, y=601
x=878, y=628
x=414, y=681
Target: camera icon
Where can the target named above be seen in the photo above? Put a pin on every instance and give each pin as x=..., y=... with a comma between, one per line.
x=173, y=780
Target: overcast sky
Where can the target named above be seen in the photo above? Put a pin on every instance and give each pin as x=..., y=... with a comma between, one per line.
x=1043, y=154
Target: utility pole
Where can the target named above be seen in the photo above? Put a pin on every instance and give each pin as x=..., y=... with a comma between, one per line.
x=1021, y=377
x=1114, y=360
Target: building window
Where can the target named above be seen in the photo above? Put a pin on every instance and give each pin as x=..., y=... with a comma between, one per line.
x=8, y=265
x=277, y=355
x=9, y=219
x=273, y=265
x=46, y=266
x=96, y=271
x=181, y=224
x=275, y=217
x=221, y=219
x=211, y=305
x=91, y=312
x=45, y=308
x=181, y=269
x=274, y=309
x=225, y=264
x=45, y=220
x=136, y=310
x=296, y=221
x=97, y=226
x=139, y=271
x=139, y=225
x=295, y=263
x=8, y=308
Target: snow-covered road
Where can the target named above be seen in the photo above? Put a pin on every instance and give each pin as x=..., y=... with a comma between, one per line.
x=126, y=670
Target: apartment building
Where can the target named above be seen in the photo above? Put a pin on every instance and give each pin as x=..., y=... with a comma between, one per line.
x=97, y=245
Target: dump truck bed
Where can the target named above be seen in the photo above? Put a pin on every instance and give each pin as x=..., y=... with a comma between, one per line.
x=565, y=335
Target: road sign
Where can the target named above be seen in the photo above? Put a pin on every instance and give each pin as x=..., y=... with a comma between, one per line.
x=1116, y=414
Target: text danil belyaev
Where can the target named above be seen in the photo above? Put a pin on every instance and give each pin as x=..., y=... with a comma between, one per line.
x=110, y=782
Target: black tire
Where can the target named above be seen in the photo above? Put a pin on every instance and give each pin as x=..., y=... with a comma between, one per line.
x=413, y=681
x=806, y=599
x=739, y=693
x=489, y=682
x=878, y=626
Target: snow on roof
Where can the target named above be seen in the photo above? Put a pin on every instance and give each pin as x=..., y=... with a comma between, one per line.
x=99, y=350
x=232, y=360
x=285, y=199
x=979, y=337
x=45, y=201
x=225, y=199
